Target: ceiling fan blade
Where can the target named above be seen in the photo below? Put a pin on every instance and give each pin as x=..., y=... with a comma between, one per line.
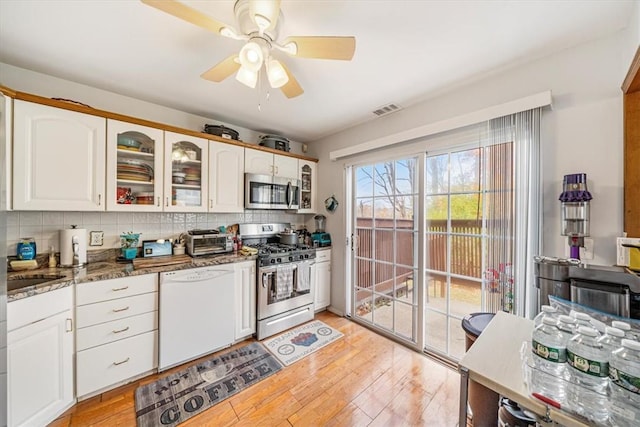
x=323, y=47
x=179, y=10
x=292, y=88
x=222, y=70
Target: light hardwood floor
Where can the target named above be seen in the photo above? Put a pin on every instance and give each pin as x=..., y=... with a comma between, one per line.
x=362, y=379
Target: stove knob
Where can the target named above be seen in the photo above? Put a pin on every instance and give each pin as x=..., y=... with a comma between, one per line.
x=272, y=261
x=290, y=258
x=301, y=256
x=306, y=255
x=279, y=259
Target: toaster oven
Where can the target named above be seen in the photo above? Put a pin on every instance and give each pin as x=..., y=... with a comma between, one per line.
x=208, y=242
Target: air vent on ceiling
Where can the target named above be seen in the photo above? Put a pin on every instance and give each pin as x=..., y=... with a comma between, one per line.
x=386, y=109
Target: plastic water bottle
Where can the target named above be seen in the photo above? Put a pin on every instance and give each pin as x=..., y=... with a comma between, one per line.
x=545, y=311
x=624, y=372
x=588, y=375
x=626, y=328
x=567, y=327
x=549, y=359
x=611, y=340
x=582, y=319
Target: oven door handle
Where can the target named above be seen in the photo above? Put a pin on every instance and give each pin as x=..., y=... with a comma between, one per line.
x=264, y=278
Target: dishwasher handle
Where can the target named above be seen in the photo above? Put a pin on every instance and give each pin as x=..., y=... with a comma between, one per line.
x=198, y=275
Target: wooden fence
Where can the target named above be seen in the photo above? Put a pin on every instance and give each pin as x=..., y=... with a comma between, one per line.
x=379, y=245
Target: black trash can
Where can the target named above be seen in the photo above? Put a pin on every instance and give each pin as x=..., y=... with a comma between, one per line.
x=511, y=415
x=484, y=403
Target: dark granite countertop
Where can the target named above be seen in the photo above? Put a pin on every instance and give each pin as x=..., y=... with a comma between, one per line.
x=104, y=269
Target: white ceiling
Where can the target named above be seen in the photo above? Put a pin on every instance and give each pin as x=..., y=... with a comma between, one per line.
x=406, y=51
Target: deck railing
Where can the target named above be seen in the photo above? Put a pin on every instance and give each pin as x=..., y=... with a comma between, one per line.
x=378, y=246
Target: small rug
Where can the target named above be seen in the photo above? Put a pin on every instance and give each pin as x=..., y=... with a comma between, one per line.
x=299, y=342
x=179, y=396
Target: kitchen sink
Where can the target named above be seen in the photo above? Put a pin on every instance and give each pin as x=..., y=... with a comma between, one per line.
x=25, y=282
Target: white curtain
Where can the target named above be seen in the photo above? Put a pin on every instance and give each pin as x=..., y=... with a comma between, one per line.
x=512, y=211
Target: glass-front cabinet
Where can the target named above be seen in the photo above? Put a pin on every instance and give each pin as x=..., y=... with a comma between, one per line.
x=185, y=173
x=134, y=167
x=308, y=190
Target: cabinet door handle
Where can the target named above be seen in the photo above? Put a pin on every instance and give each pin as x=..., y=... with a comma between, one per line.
x=210, y=203
x=69, y=325
x=276, y=170
x=167, y=201
x=99, y=199
x=120, y=289
x=158, y=201
x=120, y=363
x=116, y=310
x=121, y=330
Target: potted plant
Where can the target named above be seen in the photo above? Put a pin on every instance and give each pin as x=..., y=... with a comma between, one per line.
x=129, y=244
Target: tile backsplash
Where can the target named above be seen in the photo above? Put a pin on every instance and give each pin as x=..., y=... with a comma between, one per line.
x=44, y=226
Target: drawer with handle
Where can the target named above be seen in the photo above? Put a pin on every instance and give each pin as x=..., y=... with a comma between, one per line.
x=90, y=292
x=105, y=333
x=93, y=314
x=102, y=366
x=323, y=255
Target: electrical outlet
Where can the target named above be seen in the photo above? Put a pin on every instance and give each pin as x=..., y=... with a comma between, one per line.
x=96, y=238
x=586, y=252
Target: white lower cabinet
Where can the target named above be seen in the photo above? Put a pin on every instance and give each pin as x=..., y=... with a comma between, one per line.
x=245, y=299
x=40, y=357
x=105, y=365
x=323, y=279
x=117, y=335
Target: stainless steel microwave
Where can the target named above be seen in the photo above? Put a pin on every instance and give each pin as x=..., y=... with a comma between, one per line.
x=271, y=192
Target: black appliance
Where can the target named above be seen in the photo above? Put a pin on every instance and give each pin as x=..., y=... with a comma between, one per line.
x=221, y=131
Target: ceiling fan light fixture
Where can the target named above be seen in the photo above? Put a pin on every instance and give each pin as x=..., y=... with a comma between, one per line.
x=247, y=77
x=276, y=73
x=251, y=56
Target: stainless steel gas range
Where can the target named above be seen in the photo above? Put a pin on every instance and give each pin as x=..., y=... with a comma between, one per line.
x=285, y=279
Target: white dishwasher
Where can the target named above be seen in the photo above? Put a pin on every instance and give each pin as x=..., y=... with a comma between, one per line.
x=196, y=313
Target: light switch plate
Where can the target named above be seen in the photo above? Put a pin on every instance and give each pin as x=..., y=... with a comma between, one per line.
x=96, y=238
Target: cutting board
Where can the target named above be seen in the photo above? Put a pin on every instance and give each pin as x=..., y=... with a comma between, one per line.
x=139, y=263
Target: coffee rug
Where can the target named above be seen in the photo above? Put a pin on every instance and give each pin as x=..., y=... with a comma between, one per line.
x=299, y=342
x=179, y=396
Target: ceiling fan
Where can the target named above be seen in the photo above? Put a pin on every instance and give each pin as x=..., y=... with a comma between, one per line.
x=258, y=24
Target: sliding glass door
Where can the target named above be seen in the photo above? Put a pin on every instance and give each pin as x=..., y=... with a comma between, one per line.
x=453, y=236
x=434, y=235
x=385, y=239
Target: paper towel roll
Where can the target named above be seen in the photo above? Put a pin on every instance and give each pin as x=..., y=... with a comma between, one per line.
x=67, y=238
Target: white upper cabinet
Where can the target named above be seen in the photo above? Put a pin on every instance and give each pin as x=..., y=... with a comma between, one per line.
x=185, y=173
x=264, y=163
x=286, y=167
x=58, y=159
x=6, y=137
x=308, y=184
x=226, y=177
x=259, y=162
x=134, y=167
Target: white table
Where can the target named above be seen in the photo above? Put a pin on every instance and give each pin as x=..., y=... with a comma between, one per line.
x=494, y=361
